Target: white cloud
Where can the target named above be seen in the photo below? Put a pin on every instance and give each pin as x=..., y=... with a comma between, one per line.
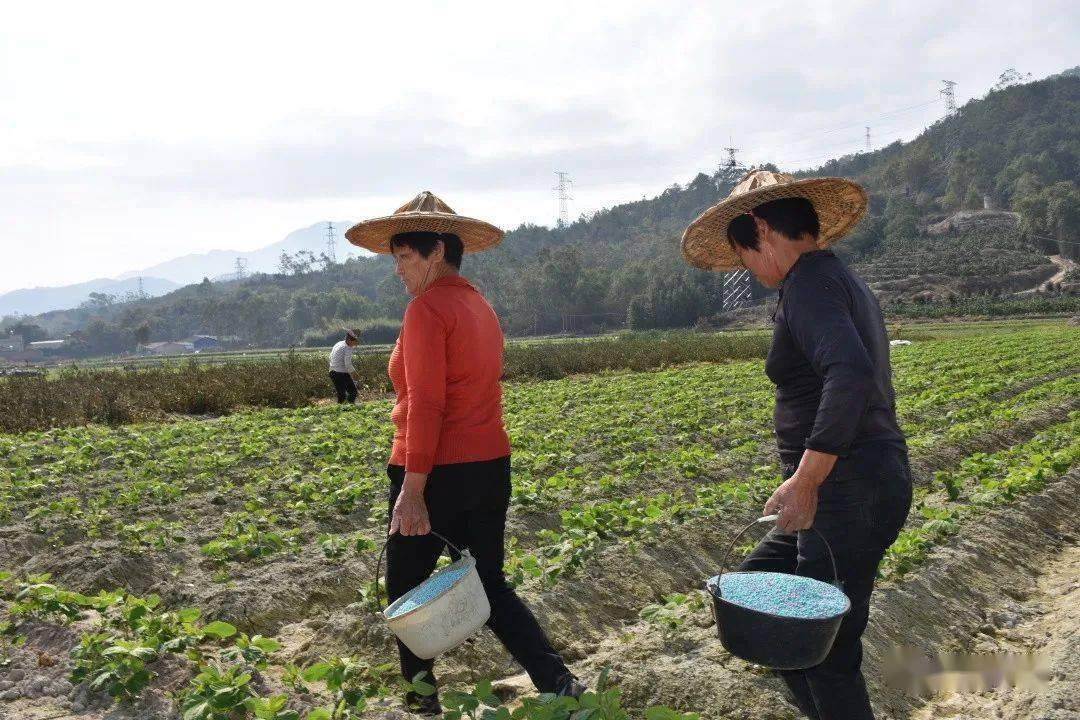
x=134, y=132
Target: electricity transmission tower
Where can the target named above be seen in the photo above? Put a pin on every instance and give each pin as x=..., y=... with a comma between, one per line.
x=562, y=194
x=241, y=268
x=952, y=138
x=331, y=243
x=141, y=291
x=736, y=289
x=729, y=169
x=731, y=163
x=949, y=93
x=867, y=139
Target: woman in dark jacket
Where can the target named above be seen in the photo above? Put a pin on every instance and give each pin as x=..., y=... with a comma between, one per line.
x=450, y=463
x=843, y=456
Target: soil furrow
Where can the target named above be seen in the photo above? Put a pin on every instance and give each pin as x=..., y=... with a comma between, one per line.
x=994, y=563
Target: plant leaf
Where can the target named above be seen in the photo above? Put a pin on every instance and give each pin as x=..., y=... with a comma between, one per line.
x=219, y=629
x=316, y=672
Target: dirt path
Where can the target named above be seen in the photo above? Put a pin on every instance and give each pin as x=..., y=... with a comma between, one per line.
x=1064, y=266
x=1048, y=623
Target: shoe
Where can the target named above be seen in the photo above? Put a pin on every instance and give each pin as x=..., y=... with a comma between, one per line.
x=570, y=686
x=427, y=705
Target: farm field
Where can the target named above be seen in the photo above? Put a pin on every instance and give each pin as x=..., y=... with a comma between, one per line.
x=247, y=543
x=117, y=395
x=257, y=355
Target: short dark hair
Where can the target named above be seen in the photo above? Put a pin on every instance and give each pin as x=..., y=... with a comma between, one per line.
x=424, y=243
x=791, y=217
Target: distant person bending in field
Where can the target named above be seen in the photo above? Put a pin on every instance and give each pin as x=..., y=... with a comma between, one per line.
x=450, y=463
x=842, y=454
x=342, y=373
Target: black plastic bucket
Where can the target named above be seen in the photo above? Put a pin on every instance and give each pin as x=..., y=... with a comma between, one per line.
x=775, y=641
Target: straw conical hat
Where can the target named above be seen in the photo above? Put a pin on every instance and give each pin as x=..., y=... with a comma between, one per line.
x=839, y=203
x=424, y=213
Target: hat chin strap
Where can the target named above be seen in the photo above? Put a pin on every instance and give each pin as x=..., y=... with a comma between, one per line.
x=427, y=275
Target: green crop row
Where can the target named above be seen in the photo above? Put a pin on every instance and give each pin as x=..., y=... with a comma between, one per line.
x=616, y=442
x=119, y=655
x=980, y=482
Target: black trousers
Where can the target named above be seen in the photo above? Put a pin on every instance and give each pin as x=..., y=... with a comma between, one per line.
x=467, y=503
x=862, y=506
x=344, y=385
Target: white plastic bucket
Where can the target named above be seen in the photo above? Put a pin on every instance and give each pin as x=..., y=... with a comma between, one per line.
x=447, y=619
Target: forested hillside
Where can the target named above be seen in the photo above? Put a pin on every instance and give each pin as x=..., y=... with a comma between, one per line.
x=1016, y=149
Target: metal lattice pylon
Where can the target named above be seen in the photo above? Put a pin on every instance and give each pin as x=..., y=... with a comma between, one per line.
x=562, y=194
x=952, y=128
x=331, y=243
x=736, y=289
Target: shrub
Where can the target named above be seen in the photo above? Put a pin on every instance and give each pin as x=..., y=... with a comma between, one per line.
x=118, y=396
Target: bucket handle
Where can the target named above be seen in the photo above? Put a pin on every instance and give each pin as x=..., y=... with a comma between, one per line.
x=772, y=518
x=382, y=553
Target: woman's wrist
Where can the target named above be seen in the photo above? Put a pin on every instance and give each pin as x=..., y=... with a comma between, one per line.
x=815, y=467
x=414, y=483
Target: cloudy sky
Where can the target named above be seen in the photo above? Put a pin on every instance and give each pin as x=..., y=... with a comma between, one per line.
x=131, y=133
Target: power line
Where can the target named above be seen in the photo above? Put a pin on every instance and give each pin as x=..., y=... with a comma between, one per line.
x=769, y=154
x=815, y=135
x=853, y=146
x=878, y=117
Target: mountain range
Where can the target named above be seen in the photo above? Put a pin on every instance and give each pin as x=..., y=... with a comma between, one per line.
x=164, y=277
x=31, y=301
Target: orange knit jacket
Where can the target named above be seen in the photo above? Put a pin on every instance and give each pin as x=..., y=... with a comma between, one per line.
x=445, y=369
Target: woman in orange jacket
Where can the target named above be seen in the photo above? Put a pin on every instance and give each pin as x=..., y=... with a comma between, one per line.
x=450, y=463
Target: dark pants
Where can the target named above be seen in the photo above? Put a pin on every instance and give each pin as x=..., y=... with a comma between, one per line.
x=862, y=506
x=467, y=503
x=344, y=385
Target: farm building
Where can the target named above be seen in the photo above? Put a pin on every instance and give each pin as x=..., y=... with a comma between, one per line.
x=203, y=342
x=11, y=343
x=14, y=350
x=47, y=348
x=168, y=347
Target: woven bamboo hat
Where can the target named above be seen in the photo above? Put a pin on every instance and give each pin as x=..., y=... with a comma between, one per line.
x=424, y=213
x=839, y=203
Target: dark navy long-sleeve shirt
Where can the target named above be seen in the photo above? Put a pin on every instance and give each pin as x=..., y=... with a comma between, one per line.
x=830, y=361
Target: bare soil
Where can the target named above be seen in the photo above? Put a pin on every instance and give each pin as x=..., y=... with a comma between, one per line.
x=1006, y=583
x=1047, y=623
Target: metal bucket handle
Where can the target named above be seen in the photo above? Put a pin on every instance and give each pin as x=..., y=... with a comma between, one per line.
x=382, y=553
x=772, y=518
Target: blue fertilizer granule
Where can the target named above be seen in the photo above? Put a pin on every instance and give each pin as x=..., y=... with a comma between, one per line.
x=430, y=589
x=782, y=594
